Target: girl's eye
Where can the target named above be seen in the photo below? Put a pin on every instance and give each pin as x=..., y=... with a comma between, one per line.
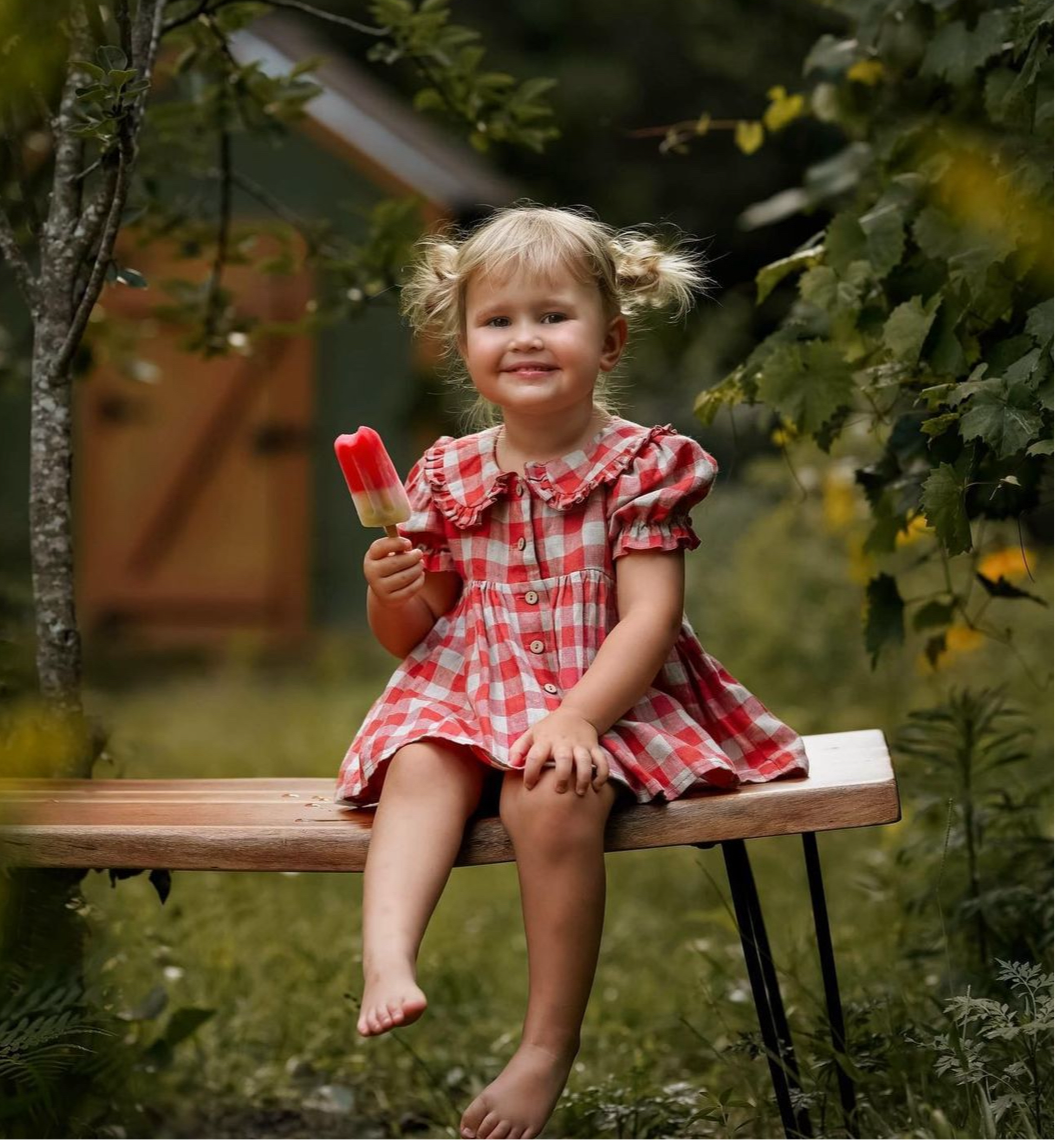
x=556, y=317
x=491, y=322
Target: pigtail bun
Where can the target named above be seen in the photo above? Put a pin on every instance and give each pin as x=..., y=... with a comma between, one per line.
x=650, y=276
x=429, y=298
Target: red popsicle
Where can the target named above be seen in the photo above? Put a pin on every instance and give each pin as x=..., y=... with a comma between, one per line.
x=377, y=490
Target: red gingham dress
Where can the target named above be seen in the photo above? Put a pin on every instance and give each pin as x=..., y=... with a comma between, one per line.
x=536, y=556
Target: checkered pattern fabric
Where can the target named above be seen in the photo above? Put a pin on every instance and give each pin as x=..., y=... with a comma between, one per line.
x=536, y=555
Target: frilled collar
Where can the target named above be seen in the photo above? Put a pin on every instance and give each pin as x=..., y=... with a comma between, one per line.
x=465, y=479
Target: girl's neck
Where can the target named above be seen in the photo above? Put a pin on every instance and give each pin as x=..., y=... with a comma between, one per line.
x=525, y=440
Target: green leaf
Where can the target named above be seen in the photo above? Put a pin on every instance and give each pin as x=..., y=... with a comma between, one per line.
x=942, y=498
x=1039, y=322
x=726, y=393
x=932, y=614
x=93, y=70
x=885, y=617
x=907, y=327
x=429, y=99
x=532, y=89
x=111, y=57
x=769, y=276
x=844, y=241
x=819, y=286
x=131, y=277
x=887, y=524
x=945, y=354
x=936, y=233
x=884, y=229
x=937, y=425
x=1041, y=447
x=185, y=1021
x=1002, y=588
x=934, y=648
x=808, y=382
x=1002, y=414
x=955, y=53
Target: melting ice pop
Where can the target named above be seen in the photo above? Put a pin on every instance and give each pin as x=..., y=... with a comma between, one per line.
x=377, y=491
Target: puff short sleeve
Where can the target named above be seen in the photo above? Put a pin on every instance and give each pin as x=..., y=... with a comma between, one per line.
x=650, y=501
x=425, y=527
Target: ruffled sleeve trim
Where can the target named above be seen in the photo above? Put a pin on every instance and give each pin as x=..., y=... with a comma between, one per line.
x=463, y=476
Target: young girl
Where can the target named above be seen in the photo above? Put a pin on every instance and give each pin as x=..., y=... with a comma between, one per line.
x=536, y=597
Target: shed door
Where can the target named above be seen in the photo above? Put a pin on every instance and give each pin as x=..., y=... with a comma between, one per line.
x=193, y=491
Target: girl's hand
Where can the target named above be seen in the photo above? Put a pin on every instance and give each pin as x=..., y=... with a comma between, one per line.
x=571, y=740
x=394, y=571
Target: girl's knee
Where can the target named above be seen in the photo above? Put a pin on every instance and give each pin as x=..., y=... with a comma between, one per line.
x=546, y=818
x=428, y=765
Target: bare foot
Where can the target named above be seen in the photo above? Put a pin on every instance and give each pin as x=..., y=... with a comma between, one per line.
x=519, y=1101
x=389, y=999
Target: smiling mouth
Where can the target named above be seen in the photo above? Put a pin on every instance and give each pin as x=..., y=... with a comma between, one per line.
x=534, y=370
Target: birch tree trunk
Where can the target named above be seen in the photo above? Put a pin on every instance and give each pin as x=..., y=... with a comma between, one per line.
x=75, y=247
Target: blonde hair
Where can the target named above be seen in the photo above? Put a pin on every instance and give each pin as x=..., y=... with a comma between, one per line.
x=632, y=271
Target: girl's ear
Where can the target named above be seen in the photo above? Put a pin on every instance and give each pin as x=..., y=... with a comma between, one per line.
x=614, y=343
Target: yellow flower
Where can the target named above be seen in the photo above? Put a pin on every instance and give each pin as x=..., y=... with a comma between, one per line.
x=782, y=109
x=840, y=500
x=862, y=565
x=916, y=529
x=867, y=71
x=962, y=639
x=749, y=136
x=1007, y=563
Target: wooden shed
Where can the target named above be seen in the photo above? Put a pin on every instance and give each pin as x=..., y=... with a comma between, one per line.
x=208, y=500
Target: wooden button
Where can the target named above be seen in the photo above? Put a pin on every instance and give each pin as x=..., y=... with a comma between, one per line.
x=521, y=543
x=531, y=597
x=536, y=646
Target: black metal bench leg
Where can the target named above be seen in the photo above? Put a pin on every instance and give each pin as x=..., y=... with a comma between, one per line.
x=847, y=1092
x=765, y=987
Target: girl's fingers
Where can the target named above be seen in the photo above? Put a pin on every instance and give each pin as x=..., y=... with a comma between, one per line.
x=583, y=769
x=564, y=762
x=603, y=769
x=520, y=746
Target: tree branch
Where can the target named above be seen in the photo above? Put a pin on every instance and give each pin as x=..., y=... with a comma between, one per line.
x=14, y=256
x=204, y=9
x=281, y=210
x=213, y=301
x=103, y=254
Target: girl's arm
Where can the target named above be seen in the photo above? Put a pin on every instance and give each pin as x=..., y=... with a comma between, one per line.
x=650, y=595
x=403, y=601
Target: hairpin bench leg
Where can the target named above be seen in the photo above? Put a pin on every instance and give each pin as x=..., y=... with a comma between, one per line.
x=765, y=988
x=847, y=1092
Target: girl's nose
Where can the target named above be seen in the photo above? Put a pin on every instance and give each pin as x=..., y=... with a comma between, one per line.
x=525, y=338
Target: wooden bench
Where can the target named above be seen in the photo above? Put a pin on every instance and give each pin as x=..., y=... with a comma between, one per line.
x=293, y=825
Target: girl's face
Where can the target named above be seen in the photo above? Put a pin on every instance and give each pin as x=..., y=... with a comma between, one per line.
x=535, y=345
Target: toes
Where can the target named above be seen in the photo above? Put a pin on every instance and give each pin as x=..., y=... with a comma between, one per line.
x=489, y=1122
x=503, y=1131
x=473, y=1118
x=395, y=1013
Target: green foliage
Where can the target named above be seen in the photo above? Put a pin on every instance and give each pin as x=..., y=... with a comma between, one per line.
x=496, y=107
x=976, y=786
x=1001, y=1053
x=923, y=307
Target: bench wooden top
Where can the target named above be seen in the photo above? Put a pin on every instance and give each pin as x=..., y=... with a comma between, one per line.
x=294, y=825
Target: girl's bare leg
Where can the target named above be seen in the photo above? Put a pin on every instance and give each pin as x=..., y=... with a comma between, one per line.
x=559, y=845
x=430, y=790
